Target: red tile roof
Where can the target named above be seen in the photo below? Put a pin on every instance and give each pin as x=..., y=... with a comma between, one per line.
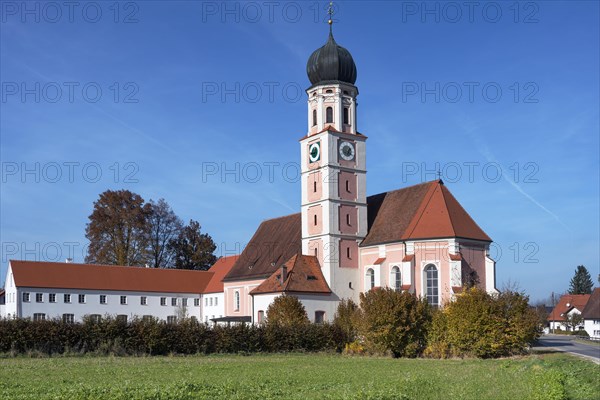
x=274, y=242
x=303, y=276
x=107, y=277
x=455, y=257
x=592, y=308
x=220, y=269
x=424, y=211
x=408, y=257
x=566, y=303
x=379, y=260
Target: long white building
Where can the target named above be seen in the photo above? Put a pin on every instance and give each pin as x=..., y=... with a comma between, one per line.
x=45, y=290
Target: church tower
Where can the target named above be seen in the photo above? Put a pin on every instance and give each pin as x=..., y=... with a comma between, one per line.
x=333, y=165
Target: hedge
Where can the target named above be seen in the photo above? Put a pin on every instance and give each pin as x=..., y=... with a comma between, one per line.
x=154, y=337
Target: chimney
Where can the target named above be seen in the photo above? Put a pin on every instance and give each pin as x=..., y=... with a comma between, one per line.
x=69, y=260
x=283, y=274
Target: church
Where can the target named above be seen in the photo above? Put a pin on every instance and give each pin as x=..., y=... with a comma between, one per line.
x=342, y=242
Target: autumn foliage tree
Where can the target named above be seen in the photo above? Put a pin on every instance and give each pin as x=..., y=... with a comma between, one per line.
x=483, y=325
x=117, y=229
x=125, y=230
x=287, y=311
x=394, y=322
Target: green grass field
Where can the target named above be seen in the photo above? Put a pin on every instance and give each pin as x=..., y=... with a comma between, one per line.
x=297, y=376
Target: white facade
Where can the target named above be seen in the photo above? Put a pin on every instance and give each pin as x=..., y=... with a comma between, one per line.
x=73, y=304
x=213, y=305
x=317, y=306
x=592, y=327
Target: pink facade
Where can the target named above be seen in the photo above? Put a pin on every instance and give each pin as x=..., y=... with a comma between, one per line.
x=315, y=184
x=348, y=219
x=315, y=220
x=348, y=253
x=347, y=185
x=242, y=305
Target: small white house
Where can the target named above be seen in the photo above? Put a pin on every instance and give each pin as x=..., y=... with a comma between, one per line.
x=591, y=315
x=568, y=305
x=46, y=290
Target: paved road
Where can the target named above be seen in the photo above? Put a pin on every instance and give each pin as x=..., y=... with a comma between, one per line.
x=568, y=344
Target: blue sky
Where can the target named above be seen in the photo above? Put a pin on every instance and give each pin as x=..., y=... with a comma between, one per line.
x=202, y=103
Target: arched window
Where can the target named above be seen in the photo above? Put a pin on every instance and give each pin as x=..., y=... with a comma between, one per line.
x=236, y=301
x=396, y=278
x=431, y=282
x=329, y=115
x=346, y=119
x=314, y=117
x=370, y=281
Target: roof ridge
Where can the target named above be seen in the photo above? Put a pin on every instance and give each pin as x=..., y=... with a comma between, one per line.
x=404, y=188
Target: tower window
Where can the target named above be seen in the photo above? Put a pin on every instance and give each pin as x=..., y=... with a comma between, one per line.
x=348, y=219
x=329, y=115
x=316, y=252
x=346, y=115
x=348, y=253
x=315, y=217
x=329, y=91
x=347, y=186
x=314, y=115
x=315, y=186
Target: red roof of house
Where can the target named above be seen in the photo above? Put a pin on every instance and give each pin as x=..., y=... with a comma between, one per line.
x=107, y=277
x=455, y=257
x=424, y=211
x=379, y=261
x=592, y=308
x=303, y=275
x=220, y=269
x=566, y=303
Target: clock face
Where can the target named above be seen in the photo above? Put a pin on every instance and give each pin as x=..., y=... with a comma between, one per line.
x=346, y=151
x=314, y=152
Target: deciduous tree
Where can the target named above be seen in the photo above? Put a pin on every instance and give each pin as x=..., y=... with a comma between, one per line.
x=163, y=227
x=286, y=311
x=193, y=249
x=118, y=229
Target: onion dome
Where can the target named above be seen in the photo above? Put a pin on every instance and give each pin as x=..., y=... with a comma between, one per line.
x=331, y=62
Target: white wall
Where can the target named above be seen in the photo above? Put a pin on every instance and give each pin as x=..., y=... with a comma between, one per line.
x=113, y=304
x=213, y=305
x=312, y=303
x=592, y=327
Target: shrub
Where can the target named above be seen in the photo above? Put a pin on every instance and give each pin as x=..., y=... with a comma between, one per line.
x=481, y=325
x=345, y=319
x=394, y=322
x=287, y=311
